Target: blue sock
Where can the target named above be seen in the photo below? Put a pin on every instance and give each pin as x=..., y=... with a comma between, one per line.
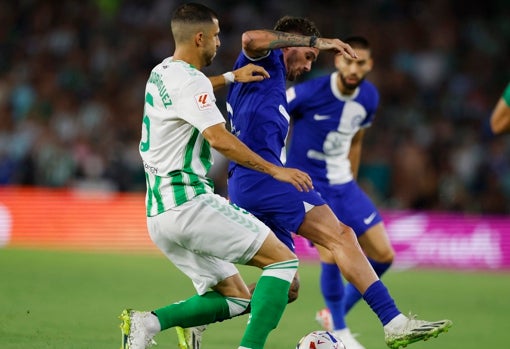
x=332, y=288
x=352, y=295
x=380, y=301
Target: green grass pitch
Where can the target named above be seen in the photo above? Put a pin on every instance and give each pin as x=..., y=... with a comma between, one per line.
x=71, y=300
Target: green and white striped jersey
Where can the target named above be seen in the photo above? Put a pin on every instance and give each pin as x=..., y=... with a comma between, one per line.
x=179, y=105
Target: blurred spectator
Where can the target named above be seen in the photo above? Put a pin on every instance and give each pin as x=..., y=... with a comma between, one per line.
x=72, y=75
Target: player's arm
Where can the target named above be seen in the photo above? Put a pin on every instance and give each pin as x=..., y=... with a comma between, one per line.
x=500, y=118
x=355, y=152
x=257, y=43
x=248, y=73
x=233, y=149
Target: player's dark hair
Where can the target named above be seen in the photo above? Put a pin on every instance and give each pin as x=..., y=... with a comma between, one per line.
x=297, y=25
x=193, y=13
x=357, y=42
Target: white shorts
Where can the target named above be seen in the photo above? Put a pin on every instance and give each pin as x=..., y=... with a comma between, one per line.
x=205, y=236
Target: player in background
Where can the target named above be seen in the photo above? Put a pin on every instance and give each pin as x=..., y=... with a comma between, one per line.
x=199, y=231
x=500, y=117
x=330, y=115
x=259, y=118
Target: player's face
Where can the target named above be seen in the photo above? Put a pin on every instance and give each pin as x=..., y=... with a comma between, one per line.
x=352, y=72
x=211, y=42
x=299, y=60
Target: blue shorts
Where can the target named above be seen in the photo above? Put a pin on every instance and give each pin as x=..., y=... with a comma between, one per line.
x=351, y=205
x=279, y=205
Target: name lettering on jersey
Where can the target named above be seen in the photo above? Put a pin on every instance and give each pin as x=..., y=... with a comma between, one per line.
x=155, y=79
x=204, y=101
x=149, y=168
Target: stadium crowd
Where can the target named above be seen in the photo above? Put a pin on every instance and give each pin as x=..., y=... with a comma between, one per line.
x=72, y=78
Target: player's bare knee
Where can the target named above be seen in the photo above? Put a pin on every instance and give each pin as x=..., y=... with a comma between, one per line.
x=235, y=293
x=234, y=287
x=347, y=232
x=343, y=238
x=383, y=256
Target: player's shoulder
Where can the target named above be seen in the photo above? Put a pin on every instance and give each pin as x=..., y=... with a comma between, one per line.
x=319, y=84
x=318, y=80
x=369, y=87
x=370, y=91
x=310, y=88
x=177, y=69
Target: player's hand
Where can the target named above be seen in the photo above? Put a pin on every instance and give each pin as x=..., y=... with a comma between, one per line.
x=336, y=45
x=250, y=73
x=297, y=178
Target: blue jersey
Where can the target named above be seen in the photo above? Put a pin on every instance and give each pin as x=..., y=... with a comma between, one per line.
x=328, y=121
x=258, y=117
x=324, y=123
x=257, y=111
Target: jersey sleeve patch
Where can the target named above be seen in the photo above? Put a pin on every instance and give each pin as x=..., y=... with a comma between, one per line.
x=291, y=94
x=204, y=101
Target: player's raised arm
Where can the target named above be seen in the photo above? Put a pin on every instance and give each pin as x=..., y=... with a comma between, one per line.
x=256, y=43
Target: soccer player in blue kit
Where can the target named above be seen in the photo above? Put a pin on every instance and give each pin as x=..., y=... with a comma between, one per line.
x=259, y=117
x=330, y=115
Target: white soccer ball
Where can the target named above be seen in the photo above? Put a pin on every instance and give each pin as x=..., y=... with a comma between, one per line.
x=320, y=340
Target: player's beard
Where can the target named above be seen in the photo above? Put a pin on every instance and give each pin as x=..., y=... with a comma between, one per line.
x=350, y=85
x=292, y=64
x=209, y=59
x=293, y=74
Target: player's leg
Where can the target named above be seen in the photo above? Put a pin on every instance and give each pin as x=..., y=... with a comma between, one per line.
x=354, y=208
x=279, y=265
x=267, y=303
x=323, y=228
x=270, y=297
x=332, y=290
x=233, y=289
x=193, y=237
x=332, y=318
x=377, y=247
x=205, y=307
x=178, y=233
x=240, y=238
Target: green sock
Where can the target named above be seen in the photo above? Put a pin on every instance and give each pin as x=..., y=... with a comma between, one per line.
x=194, y=311
x=267, y=305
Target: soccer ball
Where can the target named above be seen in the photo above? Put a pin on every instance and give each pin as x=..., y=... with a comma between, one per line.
x=320, y=340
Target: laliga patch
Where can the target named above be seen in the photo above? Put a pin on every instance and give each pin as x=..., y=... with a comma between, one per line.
x=204, y=101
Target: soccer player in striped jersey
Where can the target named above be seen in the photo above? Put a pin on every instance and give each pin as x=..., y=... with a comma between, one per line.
x=330, y=115
x=199, y=231
x=259, y=117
